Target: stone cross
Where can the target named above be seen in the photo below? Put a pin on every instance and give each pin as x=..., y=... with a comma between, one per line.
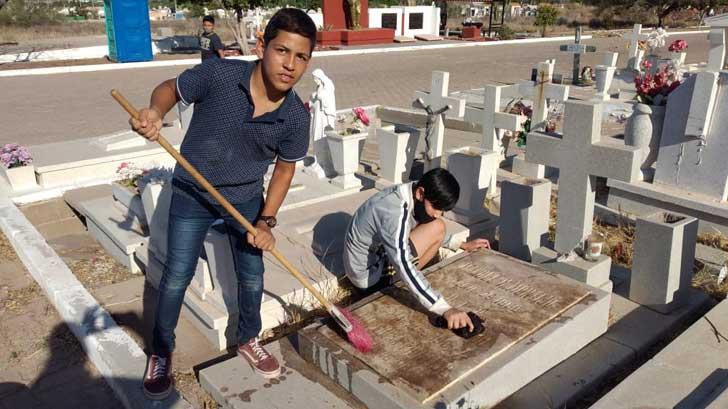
x=581, y=156
x=438, y=102
x=577, y=49
x=540, y=92
x=716, y=53
x=493, y=121
x=634, y=58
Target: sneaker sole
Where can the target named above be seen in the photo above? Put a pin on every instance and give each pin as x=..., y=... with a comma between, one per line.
x=266, y=375
x=157, y=396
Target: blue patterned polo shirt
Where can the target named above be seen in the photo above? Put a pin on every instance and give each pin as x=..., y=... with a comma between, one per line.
x=229, y=147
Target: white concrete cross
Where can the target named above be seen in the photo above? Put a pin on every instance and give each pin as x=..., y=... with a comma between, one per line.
x=436, y=100
x=634, y=58
x=540, y=92
x=581, y=156
x=493, y=121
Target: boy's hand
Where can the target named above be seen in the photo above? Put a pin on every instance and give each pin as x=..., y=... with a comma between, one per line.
x=475, y=244
x=148, y=125
x=458, y=319
x=264, y=240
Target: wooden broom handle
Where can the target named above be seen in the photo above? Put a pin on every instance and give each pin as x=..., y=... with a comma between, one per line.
x=129, y=108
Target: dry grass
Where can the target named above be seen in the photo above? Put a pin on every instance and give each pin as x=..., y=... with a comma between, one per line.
x=705, y=281
x=618, y=241
x=186, y=382
x=39, y=32
x=98, y=270
x=715, y=239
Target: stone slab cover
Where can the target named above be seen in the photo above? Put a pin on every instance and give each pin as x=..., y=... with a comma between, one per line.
x=515, y=298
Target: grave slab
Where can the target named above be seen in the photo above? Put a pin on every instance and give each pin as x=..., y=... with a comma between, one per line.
x=535, y=319
x=119, y=235
x=689, y=373
x=642, y=198
x=73, y=162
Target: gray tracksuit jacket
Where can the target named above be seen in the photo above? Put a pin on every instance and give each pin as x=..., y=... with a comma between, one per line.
x=385, y=220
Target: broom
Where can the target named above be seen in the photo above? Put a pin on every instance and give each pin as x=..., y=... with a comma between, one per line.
x=355, y=331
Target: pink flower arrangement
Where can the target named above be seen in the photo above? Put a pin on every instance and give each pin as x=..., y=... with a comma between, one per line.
x=650, y=86
x=13, y=155
x=361, y=115
x=678, y=46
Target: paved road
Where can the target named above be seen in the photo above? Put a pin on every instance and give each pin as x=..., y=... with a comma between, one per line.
x=52, y=108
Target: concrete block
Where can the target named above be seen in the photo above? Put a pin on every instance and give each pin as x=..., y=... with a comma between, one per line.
x=396, y=154
x=664, y=253
x=594, y=273
x=688, y=373
x=579, y=373
x=233, y=384
x=528, y=169
x=345, y=152
x=524, y=217
x=475, y=170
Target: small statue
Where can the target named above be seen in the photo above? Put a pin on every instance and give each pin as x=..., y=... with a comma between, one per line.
x=322, y=106
x=355, y=10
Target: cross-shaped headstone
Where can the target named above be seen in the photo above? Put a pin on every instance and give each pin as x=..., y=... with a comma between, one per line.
x=581, y=156
x=492, y=120
x=634, y=58
x=540, y=92
x=577, y=49
x=440, y=105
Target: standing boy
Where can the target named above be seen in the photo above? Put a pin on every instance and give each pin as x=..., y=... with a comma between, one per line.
x=210, y=44
x=246, y=116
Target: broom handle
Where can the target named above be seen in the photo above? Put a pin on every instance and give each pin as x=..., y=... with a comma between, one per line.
x=220, y=199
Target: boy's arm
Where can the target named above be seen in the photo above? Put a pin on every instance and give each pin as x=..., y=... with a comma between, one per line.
x=218, y=46
x=393, y=224
x=278, y=187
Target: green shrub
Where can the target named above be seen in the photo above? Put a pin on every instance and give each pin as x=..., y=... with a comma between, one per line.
x=546, y=16
x=506, y=33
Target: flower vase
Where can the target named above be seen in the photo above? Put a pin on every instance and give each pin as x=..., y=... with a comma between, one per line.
x=345, y=154
x=20, y=177
x=678, y=58
x=644, y=131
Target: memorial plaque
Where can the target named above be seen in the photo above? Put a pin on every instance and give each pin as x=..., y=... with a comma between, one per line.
x=516, y=299
x=416, y=21
x=389, y=20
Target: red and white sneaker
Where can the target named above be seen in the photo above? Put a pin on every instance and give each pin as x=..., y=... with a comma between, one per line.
x=158, y=382
x=261, y=360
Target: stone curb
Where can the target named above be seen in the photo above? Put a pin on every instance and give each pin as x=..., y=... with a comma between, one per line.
x=338, y=53
x=114, y=353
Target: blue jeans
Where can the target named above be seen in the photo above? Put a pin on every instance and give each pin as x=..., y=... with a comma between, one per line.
x=189, y=220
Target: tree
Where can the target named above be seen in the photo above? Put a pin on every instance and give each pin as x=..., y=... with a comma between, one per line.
x=546, y=16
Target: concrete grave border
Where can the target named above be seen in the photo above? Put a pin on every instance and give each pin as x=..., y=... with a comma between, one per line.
x=114, y=353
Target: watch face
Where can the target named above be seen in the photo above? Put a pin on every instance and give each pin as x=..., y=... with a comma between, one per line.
x=270, y=221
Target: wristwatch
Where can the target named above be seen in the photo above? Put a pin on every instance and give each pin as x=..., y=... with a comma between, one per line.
x=269, y=220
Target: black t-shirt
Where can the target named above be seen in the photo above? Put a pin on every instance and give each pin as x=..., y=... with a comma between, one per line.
x=209, y=44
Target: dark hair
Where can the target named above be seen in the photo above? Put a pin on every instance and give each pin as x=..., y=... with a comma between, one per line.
x=293, y=21
x=441, y=188
x=211, y=19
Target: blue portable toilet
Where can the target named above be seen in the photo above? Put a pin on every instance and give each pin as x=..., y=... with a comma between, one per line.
x=128, y=32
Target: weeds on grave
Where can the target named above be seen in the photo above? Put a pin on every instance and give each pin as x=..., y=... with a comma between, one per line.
x=705, y=281
x=302, y=308
x=714, y=239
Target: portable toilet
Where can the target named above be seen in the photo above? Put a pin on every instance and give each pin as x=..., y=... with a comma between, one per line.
x=128, y=31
